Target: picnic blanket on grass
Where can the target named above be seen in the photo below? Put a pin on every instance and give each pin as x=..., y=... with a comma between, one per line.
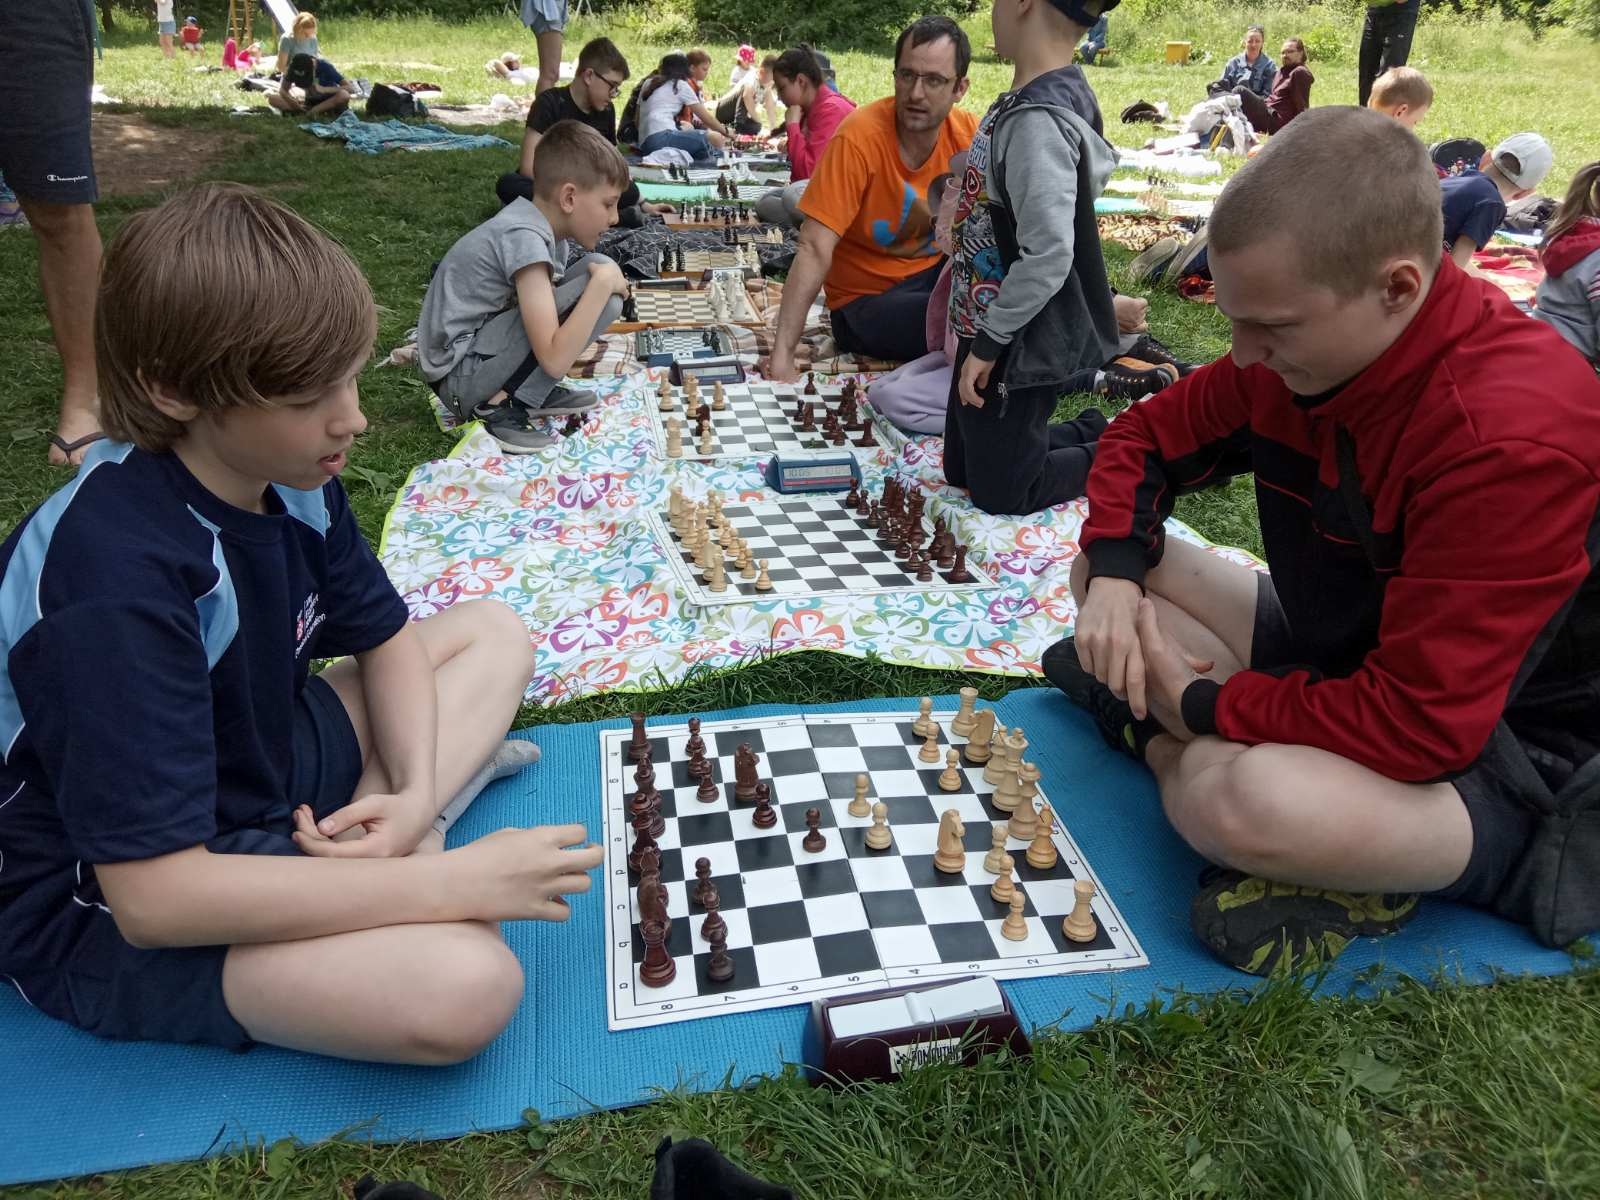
x=374, y=137
x=559, y=535
x=93, y=1105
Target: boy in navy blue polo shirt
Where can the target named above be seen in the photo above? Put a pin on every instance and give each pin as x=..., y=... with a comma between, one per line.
x=203, y=842
x=326, y=92
x=1474, y=202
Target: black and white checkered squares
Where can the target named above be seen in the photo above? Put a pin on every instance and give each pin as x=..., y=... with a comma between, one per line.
x=757, y=421
x=803, y=924
x=813, y=546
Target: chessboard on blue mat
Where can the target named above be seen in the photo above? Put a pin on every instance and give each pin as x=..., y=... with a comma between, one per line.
x=804, y=925
x=812, y=545
x=759, y=419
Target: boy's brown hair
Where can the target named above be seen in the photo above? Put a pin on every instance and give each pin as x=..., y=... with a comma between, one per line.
x=575, y=153
x=1388, y=208
x=1401, y=85
x=229, y=300
x=602, y=55
x=697, y=57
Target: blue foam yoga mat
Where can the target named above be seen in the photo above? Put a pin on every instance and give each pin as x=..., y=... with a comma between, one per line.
x=76, y=1104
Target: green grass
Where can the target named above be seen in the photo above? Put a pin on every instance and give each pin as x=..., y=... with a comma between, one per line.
x=1454, y=1092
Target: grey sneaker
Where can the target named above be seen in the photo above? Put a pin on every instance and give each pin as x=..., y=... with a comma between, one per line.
x=564, y=399
x=1150, y=262
x=510, y=427
x=1179, y=266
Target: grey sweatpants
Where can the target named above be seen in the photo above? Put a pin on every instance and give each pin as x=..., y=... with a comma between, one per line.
x=781, y=206
x=501, y=352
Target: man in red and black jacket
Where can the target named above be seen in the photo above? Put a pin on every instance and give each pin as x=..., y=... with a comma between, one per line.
x=1391, y=711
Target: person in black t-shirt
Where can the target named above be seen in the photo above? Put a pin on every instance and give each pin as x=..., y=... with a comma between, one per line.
x=601, y=73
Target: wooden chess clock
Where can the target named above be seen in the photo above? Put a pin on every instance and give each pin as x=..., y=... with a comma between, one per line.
x=879, y=1036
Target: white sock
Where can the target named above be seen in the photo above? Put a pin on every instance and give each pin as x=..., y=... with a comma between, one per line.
x=512, y=755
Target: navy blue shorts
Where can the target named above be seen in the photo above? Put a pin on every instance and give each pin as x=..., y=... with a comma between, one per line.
x=118, y=991
x=46, y=71
x=1500, y=789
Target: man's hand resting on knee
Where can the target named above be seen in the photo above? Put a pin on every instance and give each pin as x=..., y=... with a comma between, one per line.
x=1107, y=638
x=1168, y=670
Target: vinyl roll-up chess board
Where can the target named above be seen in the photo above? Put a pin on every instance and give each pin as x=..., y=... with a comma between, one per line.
x=803, y=925
x=813, y=545
x=690, y=308
x=757, y=420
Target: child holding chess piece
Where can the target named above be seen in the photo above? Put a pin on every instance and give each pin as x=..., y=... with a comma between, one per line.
x=203, y=558
x=1405, y=706
x=1027, y=323
x=506, y=315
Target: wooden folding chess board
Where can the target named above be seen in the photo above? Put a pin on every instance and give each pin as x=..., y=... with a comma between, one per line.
x=696, y=261
x=688, y=308
x=757, y=421
x=681, y=343
x=804, y=925
x=813, y=545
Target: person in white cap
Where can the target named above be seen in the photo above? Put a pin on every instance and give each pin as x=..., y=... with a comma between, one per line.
x=1475, y=201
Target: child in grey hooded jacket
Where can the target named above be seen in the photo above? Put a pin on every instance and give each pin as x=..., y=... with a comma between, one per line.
x=1029, y=300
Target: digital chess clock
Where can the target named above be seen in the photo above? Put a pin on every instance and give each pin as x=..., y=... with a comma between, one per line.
x=830, y=473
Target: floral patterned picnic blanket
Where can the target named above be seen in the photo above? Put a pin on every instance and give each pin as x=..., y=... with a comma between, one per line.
x=560, y=536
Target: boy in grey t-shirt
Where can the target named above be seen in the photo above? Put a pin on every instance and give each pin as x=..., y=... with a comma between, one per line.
x=506, y=314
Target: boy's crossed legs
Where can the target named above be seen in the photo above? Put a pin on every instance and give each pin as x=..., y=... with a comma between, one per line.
x=1291, y=814
x=423, y=993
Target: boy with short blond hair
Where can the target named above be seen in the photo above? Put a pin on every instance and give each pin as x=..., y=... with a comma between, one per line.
x=1029, y=300
x=1403, y=93
x=1405, y=704
x=204, y=842
x=1474, y=202
x=506, y=315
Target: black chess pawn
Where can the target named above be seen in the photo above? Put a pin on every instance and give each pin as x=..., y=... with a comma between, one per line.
x=630, y=310
x=765, y=816
x=719, y=967
x=924, y=571
x=708, y=791
x=853, y=498
x=712, y=903
x=808, y=417
x=875, y=517
x=863, y=505
x=813, y=842
x=702, y=876
x=642, y=842
x=811, y=384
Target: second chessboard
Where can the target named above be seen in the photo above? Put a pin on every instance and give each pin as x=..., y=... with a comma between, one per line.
x=648, y=306
x=758, y=419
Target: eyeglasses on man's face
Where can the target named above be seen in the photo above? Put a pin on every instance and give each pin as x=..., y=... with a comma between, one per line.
x=908, y=79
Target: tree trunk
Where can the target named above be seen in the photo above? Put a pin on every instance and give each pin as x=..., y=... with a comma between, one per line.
x=107, y=22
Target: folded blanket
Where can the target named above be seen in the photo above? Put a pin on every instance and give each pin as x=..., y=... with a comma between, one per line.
x=374, y=137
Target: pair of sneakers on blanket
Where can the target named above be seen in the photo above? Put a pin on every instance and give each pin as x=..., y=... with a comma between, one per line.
x=519, y=427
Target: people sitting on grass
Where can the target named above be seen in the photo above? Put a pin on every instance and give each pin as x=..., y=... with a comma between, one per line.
x=323, y=91
x=661, y=98
x=750, y=105
x=277, y=873
x=301, y=39
x=1289, y=96
x=1569, y=295
x=1250, y=69
x=506, y=314
x=1395, y=708
x=868, y=234
x=1475, y=202
x=193, y=36
x=813, y=113
x=1403, y=93
x=601, y=72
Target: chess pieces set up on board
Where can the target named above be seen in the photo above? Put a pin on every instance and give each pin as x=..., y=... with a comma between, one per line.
x=707, y=534
x=659, y=341
x=1016, y=784
x=644, y=859
x=897, y=516
x=728, y=214
x=697, y=411
x=672, y=257
x=837, y=424
x=728, y=186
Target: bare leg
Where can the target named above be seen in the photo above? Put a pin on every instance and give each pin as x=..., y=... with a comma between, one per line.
x=424, y=994
x=482, y=661
x=1207, y=603
x=69, y=272
x=549, y=60
x=1300, y=815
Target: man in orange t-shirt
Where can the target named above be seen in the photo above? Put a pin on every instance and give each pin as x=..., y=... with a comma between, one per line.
x=868, y=234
